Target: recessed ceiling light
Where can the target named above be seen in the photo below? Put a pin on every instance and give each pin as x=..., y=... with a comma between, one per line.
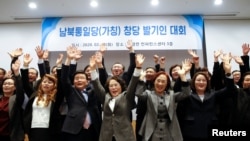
x=32, y=5
x=218, y=2
x=93, y=3
x=154, y=2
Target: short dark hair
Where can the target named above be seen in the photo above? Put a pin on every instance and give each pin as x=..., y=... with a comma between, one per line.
x=78, y=72
x=235, y=71
x=245, y=74
x=119, y=80
x=4, y=71
x=151, y=68
x=35, y=70
x=86, y=67
x=123, y=67
x=172, y=67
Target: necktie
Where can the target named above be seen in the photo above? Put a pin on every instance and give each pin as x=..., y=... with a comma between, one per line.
x=87, y=121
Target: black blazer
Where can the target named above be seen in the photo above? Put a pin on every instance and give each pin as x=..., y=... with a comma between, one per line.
x=78, y=107
x=16, y=112
x=54, y=123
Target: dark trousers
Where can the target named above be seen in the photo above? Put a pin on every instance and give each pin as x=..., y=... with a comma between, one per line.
x=4, y=138
x=84, y=135
x=40, y=134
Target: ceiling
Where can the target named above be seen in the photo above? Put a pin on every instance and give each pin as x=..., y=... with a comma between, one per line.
x=13, y=11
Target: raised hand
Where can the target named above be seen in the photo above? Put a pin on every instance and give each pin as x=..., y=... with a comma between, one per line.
x=227, y=66
x=129, y=45
x=139, y=60
x=26, y=60
x=192, y=53
x=102, y=48
x=92, y=62
x=16, y=53
x=156, y=58
x=162, y=60
x=245, y=49
x=39, y=52
x=98, y=57
x=217, y=53
x=71, y=51
x=59, y=60
x=238, y=60
x=46, y=54
x=226, y=57
x=187, y=65
x=78, y=54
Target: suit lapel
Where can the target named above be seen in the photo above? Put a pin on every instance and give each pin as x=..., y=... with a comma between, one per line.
x=154, y=101
x=107, y=100
x=79, y=94
x=117, y=100
x=170, y=103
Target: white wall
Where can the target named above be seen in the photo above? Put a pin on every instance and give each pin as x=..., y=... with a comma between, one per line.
x=227, y=35
x=12, y=36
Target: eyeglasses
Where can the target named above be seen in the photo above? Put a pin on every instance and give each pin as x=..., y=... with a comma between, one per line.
x=8, y=83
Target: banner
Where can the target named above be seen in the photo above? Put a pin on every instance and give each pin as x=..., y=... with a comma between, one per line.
x=146, y=32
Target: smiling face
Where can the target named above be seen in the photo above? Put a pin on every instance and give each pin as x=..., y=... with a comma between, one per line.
x=200, y=83
x=174, y=72
x=160, y=83
x=246, y=81
x=32, y=74
x=150, y=73
x=117, y=69
x=80, y=81
x=8, y=87
x=47, y=85
x=114, y=88
x=236, y=76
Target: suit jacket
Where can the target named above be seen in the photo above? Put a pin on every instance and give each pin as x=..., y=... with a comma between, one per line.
x=198, y=116
x=16, y=112
x=78, y=107
x=150, y=120
x=54, y=122
x=117, y=123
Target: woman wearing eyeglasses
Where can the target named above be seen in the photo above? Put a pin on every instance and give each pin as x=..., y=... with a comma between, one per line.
x=11, y=101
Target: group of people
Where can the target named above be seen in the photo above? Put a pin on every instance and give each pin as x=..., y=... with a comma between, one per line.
x=68, y=104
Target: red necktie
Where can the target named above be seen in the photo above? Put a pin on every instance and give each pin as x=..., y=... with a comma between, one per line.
x=87, y=121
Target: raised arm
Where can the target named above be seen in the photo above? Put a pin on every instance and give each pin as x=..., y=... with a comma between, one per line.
x=18, y=84
x=98, y=87
x=196, y=64
x=25, y=75
x=41, y=64
x=185, y=88
x=217, y=77
x=139, y=60
x=127, y=76
x=65, y=80
x=102, y=71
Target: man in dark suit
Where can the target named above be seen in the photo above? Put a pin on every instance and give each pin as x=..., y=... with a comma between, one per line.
x=83, y=106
